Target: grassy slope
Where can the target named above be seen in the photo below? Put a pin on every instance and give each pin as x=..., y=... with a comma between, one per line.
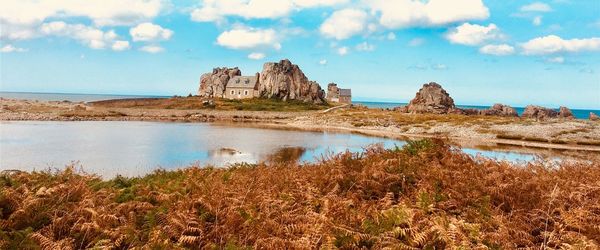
x=194, y=102
x=424, y=195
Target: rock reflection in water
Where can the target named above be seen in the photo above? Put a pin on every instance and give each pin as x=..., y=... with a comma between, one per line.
x=286, y=155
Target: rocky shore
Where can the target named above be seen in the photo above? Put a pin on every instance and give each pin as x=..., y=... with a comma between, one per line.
x=566, y=134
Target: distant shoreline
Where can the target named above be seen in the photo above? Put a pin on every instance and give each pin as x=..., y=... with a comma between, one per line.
x=76, y=97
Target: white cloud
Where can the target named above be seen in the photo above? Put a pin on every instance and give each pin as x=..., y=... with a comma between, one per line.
x=344, y=23
x=249, y=38
x=558, y=59
x=391, y=36
x=323, y=62
x=473, y=34
x=497, y=49
x=537, y=21
x=9, y=48
x=364, y=46
x=152, y=49
x=317, y=3
x=101, y=12
x=150, y=32
x=218, y=10
x=554, y=44
x=120, y=45
x=536, y=7
x=416, y=42
x=214, y=10
x=89, y=36
x=256, y=56
x=410, y=13
x=342, y=51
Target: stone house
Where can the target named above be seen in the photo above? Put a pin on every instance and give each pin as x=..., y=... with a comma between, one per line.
x=335, y=94
x=242, y=87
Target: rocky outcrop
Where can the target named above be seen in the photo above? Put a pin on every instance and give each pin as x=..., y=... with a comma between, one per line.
x=594, y=117
x=537, y=112
x=285, y=81
x=213, y=84
x=431, y=98
x=565, y=112
x=500, y=110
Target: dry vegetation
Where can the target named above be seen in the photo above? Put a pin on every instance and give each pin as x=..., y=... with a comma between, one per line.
x=425, y=195
x=195, y=102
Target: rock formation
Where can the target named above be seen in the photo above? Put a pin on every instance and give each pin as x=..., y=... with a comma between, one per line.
x=500, y=110
x=285, y=81
x=537, y=112
x=594, y=117
x=565, y=112
x=282, y=80
x=213, y=84
x=432, y=98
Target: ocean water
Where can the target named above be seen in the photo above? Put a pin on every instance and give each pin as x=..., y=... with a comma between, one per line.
x=68, y=96
x=578, y=113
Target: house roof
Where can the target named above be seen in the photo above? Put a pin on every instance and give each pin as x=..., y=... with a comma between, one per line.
x=345, y=92
x=242, y=82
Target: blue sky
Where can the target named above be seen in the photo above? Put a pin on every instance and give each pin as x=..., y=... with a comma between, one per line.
x=513, y=52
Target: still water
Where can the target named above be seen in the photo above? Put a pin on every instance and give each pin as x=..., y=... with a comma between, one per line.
x=136, y=148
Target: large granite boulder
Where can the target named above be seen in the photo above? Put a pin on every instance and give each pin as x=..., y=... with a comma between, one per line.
x=285, y=81
x=500, y=110
x=537, y=112
x=431, y=98
x=565, y=112
x=213, y=84
x=594, y=117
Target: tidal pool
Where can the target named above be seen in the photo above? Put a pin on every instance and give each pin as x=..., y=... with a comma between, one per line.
x=137, y=148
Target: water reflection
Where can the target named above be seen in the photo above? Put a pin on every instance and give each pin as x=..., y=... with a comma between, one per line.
x=136, y=148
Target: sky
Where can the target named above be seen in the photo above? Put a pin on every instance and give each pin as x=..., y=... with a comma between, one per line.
x=514, y=52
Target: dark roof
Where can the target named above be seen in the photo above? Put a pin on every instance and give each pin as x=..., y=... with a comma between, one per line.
x=345, y=92
x=242, y=82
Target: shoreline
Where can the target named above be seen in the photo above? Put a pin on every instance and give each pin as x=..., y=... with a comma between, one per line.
x=370, y=122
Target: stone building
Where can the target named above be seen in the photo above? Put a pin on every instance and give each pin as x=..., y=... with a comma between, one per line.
x=242, y=87
x=335, y=94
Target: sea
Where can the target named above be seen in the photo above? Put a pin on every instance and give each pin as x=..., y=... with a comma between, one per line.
x=578, y=113
x=74, y=97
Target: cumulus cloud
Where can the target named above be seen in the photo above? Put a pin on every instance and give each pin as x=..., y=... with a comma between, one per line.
x=120, y=45
x=554, y=44
x=536, y=7
x=10, y=48
x=473, y=34
x=323, y=62
x=89, y=36
x=497, y=49
x=343, y=24
x=364, y=46
x=256, y=56
x=410, y=13
x=342, y=51
x=249, y=38
x=218, y=10
x=150, y=32
x=101, y=12
x=153, y=49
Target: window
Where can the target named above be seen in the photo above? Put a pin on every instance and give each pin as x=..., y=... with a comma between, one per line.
x=233, y=92
x=239, y=92
x=245, y=92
